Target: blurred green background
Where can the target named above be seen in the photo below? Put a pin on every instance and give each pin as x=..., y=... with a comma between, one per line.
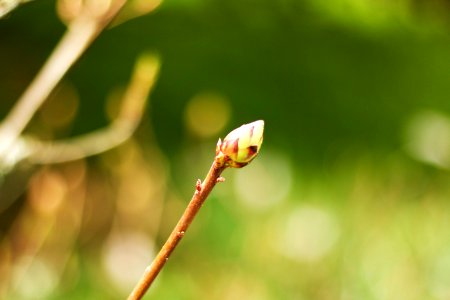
x=348, y=199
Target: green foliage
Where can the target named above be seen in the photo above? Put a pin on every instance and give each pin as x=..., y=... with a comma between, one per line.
x=351, y=211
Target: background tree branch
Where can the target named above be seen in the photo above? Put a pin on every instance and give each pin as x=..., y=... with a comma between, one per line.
x=83, y=28
x=130, y=114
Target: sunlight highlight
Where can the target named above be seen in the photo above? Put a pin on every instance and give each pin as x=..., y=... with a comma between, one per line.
x=428, y=138
x=125, y=256
x=307, y=234
x=266, y=183
x=34, y=278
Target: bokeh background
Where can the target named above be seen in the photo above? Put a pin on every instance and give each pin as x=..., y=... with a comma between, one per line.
x=348, y=199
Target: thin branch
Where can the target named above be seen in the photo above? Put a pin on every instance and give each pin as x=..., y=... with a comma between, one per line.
x=201, y=193
x=132, y=109
x=76, y=148
x=80, y=34
x=6, y=6
x=237, y=150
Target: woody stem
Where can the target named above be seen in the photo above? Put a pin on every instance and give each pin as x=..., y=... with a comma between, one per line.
x=199, y=197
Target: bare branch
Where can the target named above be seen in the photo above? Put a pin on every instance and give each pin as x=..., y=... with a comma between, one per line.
x=120, y=130
x=6, y=6
x=82, y=30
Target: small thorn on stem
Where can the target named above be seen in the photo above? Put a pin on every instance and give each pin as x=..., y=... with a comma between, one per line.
x=198, y=186
x=220, y=179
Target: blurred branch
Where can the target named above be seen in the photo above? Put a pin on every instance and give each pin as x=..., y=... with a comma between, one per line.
x=120, y=130
x=135, y=9
x=86, y=25
x=6, y=6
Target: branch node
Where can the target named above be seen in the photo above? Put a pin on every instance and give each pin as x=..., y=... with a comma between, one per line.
x=220, y=179
x=198, y=186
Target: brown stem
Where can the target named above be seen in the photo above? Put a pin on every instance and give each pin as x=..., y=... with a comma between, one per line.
x=199, y=197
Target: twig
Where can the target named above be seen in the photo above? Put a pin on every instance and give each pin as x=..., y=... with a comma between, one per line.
x=6, y=6
x=201, y=193
x=238, y=149
x=80, y=34
x=132, y=109
x=83, y=146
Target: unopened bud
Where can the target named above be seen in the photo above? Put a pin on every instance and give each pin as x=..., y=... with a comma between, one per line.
x=241, y=145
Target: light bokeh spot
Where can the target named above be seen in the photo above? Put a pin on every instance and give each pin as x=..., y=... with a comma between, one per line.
x=207, y=113
x=34, y=278
x=47, y=192
x=243, y=286
x=264, y=183
x=307, y=234
x=428, y=138
x=125, y=256
x=440, y=275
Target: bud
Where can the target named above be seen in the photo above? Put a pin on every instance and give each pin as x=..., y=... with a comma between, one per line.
x=241, y=145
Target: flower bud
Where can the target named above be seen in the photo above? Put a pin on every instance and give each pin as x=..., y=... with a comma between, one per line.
x=241, y=145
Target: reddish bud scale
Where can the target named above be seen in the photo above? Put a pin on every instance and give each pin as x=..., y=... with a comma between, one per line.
x=241, y=145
